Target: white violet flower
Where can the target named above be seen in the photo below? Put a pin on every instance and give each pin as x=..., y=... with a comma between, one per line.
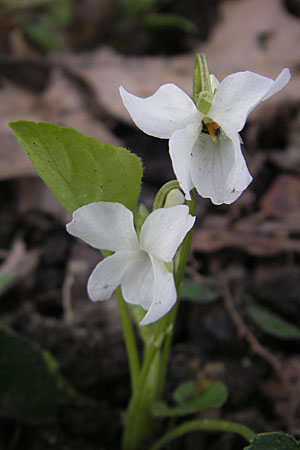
x=205, y=148
x=138, y=264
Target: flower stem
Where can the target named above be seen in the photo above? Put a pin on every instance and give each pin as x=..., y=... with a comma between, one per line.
x=180, y=263
x=203, y=424
x=130, y=342
x=139, y=421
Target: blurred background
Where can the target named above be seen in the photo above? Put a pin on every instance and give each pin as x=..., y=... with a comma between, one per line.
x=62, y=61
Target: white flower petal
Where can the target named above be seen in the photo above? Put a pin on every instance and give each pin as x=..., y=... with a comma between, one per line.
x=214, y=82
x=239, y=93
x=282, y=79
x=104, y=225
x=180, y=146
x=164, y=230
x=218, y=172
x=137, y=284
x=239, y=177
x=159, y=115
x=107, y=275
x=164, y=293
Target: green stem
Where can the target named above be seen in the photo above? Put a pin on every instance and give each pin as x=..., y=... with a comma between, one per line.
x=180, y=263
x=139, y=422
x=130, y=342
x=203, y=424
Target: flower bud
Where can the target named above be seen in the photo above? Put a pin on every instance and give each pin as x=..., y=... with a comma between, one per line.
x=175, y=197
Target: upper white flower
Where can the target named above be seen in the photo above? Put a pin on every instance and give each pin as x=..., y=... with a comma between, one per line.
x=205, y=148
x=138, y=264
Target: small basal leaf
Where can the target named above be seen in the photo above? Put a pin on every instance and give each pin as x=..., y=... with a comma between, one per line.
x=156, y=21
x=5, y=278
x=80, y=169
x=272, y=323
x=138, y=6
x=43, y=34
x=61, y=12
x=193, y=397
x=273, y=441
x=202, y=292
x=185, y=391
x=28, y=391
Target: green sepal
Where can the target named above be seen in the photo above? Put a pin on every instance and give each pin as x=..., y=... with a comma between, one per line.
x=174, y=198
x=201, y=80
x=170, y=266
x=204, y=102
x=164, y=191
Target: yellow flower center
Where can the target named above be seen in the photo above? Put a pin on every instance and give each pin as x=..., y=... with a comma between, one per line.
x=211, y=128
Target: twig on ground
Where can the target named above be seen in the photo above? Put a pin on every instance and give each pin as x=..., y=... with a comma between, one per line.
x=244, y=331
x=66, y=295
x=19, y=262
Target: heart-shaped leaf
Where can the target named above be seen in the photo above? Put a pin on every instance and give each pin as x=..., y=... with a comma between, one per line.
x=80, y=169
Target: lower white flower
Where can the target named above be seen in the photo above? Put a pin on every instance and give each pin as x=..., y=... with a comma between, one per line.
x=138, y=264
x=205, y=147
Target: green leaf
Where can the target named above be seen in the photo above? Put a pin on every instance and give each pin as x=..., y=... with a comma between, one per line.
x=79, y=169
x=29, y=3
x=184, y=392
x=67, y=392
x=193, y=397
x=61, y=12
x=5, y=278
x=273, y=441
x=271, y=323
x=140, y=217
x=28, y=391
x=44, y=33
x=144, y=4
x=135, y=7
x=203, y=292
x=155, y=21
x=19, y=4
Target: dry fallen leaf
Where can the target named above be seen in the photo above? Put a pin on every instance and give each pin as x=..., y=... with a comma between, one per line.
x=286, y=400
x=19, y=262
x=13, y=162
x=60, y=103
x=252, y=35
x=282, y=200
x=256, y=243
